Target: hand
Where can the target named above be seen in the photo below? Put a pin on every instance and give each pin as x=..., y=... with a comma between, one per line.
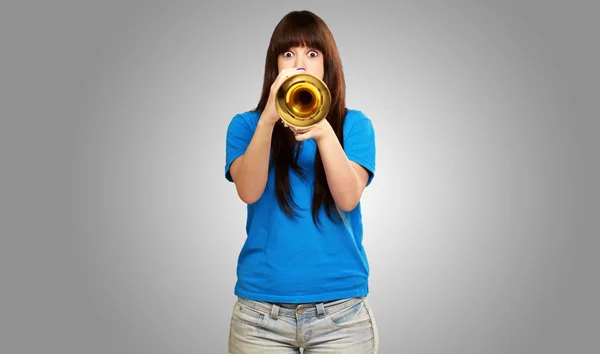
x=322, y=130
x=270, y=114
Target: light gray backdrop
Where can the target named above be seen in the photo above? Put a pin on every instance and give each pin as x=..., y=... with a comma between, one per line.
x=120, y=233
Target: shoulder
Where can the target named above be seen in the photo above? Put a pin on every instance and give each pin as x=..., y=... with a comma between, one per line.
x=247, y=120
x=356, y=119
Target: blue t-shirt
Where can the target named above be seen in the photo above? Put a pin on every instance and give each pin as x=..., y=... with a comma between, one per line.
x=291, y=260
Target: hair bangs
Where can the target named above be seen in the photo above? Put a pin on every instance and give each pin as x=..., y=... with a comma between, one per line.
x=298, y=32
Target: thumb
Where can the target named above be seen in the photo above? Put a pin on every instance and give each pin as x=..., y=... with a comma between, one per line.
x=303, y=135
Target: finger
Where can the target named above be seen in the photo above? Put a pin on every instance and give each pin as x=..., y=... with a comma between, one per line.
x=284, y=74
x=291, y=71
x=303, y=136
x=301, y=131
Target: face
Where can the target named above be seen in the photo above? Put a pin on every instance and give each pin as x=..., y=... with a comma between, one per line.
x=302, y=57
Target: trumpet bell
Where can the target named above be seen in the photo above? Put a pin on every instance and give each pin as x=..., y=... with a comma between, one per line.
x=303, y=100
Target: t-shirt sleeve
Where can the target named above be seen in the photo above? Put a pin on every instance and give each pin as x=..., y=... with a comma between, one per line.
x=239, y=135
x=359, y=144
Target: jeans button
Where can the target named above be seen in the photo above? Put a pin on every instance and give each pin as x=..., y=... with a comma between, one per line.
x=300, y=310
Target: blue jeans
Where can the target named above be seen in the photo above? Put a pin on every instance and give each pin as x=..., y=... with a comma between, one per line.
x=342, y=326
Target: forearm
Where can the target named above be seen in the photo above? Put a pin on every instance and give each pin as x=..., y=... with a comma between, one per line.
x=342, y=178
x=252, y=172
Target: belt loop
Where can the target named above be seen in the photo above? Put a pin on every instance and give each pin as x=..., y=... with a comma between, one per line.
x=274, y=311
x=320, y=310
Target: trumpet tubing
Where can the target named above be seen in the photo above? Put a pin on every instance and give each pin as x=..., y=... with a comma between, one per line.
x=303, y=100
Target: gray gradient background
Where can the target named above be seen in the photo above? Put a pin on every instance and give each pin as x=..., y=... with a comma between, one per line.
x=120, y=233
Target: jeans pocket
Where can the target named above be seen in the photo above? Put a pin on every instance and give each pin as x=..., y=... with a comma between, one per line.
x=353, y=318
x=247, y=314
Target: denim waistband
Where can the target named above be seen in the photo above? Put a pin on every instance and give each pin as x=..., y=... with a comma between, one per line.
x=305, y=309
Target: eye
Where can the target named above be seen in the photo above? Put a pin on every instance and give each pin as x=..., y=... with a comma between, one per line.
x=287, y=54
x=313, y=53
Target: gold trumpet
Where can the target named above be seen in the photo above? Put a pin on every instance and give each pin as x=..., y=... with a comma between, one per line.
x=302, y=101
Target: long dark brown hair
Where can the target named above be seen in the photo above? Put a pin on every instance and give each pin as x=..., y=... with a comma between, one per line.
x=304, y=28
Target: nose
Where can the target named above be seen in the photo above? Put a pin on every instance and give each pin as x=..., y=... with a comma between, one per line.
x=299, y=63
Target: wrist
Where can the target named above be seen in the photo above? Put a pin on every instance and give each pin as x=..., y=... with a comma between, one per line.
x=267, y=122
x=327, y=135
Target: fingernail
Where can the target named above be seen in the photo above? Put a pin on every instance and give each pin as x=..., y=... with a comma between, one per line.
x=300, y=69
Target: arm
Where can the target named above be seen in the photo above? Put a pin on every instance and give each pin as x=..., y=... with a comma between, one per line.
x=250, y=171
x=346, y=179
x=349, y=169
